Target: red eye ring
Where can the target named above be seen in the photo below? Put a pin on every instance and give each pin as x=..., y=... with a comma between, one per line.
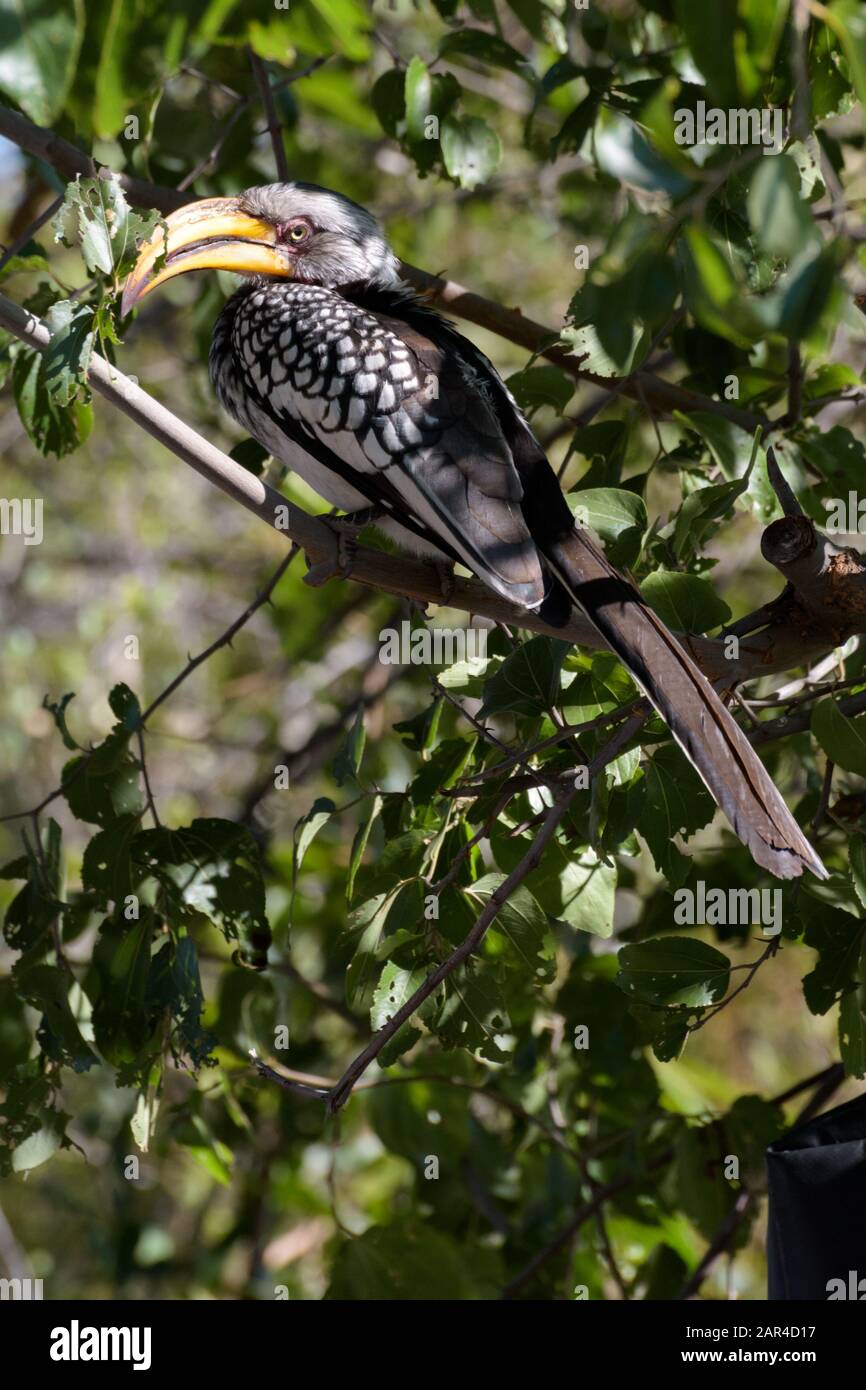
x=296, y=232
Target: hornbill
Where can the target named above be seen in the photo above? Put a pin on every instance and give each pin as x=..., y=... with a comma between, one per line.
x=329, y=360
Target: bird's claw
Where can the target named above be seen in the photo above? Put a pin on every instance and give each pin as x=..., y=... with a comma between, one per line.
x=346, y=530
x=337, y=565
x=447, y=580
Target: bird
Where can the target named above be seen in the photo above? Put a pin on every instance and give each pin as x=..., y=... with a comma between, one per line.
x=327, y=357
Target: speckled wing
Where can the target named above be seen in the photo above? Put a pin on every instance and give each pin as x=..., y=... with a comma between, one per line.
x=404, y=419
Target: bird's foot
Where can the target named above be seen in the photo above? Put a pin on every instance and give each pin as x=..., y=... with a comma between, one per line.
x=346, y=531
x=447, y=580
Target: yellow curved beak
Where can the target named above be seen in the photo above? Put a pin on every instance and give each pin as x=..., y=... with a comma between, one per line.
x=213, y=234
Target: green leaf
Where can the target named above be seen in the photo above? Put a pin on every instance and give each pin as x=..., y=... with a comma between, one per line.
x=347, y=763
x=664, y=1029
x=420, y=733
x=308, y=828
x=710, y=35
x=849, y=22
x=395, y=987
x=405, y=1263
x=803, y=294
x=617, y=516
x=537, y=386
x=47, y=988
x=857, y=859
x=400, y=860
x=34, y=911
x=251, y=455
x=212, y=870
x=576, y=887
x=782, y=222
x=487, y=49
x=472, y=151
x=684, y=602
x=750, y=1125
x=608, y=510
x=124, y=1030
x=29, y=261
x=585, y=341
x=696, y=1176
x=623, y=153
x=39, y=43
x=419, y=1119
x=676, y=802
x=51, y=427
x=522, y=922
x=473, y=1013
x=842, y=739
x=852, y=1031
x=124, y=705
x=713, y=293
x=674, y=970
x=42, y=1143
x=104, y=783
x=67, y=357
x=576, y=126
x=527, y=682
x=106, y=865
x=389, y=101
x=96, y=215
x=442, y=770
x=359, y=844
x=427, y=95
x=838, y=938
x=694, y=520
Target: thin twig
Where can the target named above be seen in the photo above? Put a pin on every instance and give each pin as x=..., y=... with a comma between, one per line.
x=225, y=638
x=721, y=1242
x=274, y=126
x=147, y=787
x=30, y=232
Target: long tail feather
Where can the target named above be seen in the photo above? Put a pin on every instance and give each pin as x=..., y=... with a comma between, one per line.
x=697, y=718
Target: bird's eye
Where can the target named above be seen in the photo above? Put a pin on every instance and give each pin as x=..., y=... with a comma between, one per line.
x=297, y=232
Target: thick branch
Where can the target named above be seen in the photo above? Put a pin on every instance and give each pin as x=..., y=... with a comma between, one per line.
x=70, y=161
x=827, y=583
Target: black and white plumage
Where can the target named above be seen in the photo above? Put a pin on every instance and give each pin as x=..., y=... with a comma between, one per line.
x=370, y=410
x=328, y=360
